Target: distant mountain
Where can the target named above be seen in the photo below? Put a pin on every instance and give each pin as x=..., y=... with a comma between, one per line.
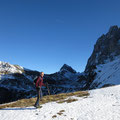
x=102, y=68
x=66, y=68
x=16, y=82
x=6, y=68
x=65, y=80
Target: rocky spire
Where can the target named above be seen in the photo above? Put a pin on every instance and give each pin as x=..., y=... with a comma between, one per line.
x=66, y=67
x=106, y=48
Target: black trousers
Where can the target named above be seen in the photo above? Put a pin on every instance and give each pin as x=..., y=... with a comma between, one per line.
x=39, y=96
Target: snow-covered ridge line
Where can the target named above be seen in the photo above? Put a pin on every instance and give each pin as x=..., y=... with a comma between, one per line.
x=6, y=68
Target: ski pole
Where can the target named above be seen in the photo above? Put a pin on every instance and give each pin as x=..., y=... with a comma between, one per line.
x=48, y=88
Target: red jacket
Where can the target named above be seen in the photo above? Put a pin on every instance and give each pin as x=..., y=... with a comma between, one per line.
x=39, y=82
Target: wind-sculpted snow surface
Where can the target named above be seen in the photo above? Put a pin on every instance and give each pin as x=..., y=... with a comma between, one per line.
x=102, y=104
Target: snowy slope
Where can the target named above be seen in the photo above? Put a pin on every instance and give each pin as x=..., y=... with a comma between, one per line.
x=107, y=74
x=6, y=67
x=102, y=104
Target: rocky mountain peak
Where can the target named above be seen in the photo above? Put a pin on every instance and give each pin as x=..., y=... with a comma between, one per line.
x=113, y=29
x=106, y=48
x=66, y=67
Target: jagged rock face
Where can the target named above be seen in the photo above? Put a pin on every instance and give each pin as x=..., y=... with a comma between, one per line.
x=106, y=48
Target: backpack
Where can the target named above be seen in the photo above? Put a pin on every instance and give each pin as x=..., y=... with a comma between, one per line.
x=35, y=79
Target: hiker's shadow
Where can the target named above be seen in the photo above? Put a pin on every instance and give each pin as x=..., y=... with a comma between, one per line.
x=28, y=108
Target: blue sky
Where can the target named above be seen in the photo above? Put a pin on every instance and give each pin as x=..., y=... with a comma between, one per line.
x=44, y=34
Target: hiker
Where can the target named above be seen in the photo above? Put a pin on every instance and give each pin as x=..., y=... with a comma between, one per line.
x=38, y=84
